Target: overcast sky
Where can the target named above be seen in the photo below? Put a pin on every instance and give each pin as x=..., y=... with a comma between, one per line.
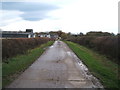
x=67, y=15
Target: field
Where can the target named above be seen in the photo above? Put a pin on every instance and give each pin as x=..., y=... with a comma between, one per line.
x=101, y=67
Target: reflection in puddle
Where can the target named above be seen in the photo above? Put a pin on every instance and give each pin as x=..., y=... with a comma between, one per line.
x=51, y=46
x=88, y=75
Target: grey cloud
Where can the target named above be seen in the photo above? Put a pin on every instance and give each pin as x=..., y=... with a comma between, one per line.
x=34, y=16
x=32, y=10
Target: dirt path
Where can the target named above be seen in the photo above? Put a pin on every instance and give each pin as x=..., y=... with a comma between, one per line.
x=58, y=67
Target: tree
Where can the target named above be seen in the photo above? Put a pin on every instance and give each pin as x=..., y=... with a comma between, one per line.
x=80, y=34
x=59, y=33
x=99, y=33
x=64, y=36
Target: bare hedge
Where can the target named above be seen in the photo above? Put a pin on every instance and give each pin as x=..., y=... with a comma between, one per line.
x=12, y=47
x=106, y=45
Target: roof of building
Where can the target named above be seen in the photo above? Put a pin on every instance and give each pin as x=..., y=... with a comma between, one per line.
x=15, y=32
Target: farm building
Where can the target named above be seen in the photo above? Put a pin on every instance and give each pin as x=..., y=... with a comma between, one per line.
x=18, y=34
x=53, y=36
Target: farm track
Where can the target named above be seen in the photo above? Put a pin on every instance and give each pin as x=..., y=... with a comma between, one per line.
x=58, y=67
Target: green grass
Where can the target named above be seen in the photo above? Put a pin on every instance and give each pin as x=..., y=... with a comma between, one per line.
x=105, y=70
x=19, y=63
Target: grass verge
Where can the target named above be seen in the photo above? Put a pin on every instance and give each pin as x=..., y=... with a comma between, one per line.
x=102, y=68
x=18, y=64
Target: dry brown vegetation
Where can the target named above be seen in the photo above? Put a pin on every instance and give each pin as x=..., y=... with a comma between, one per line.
x=13, y=47
x=106, y=45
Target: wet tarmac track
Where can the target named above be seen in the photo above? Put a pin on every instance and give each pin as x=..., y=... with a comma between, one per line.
x=58, y=67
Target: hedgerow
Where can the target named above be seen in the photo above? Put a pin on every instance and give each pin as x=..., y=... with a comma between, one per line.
x=107, y=45
x=13, y=47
